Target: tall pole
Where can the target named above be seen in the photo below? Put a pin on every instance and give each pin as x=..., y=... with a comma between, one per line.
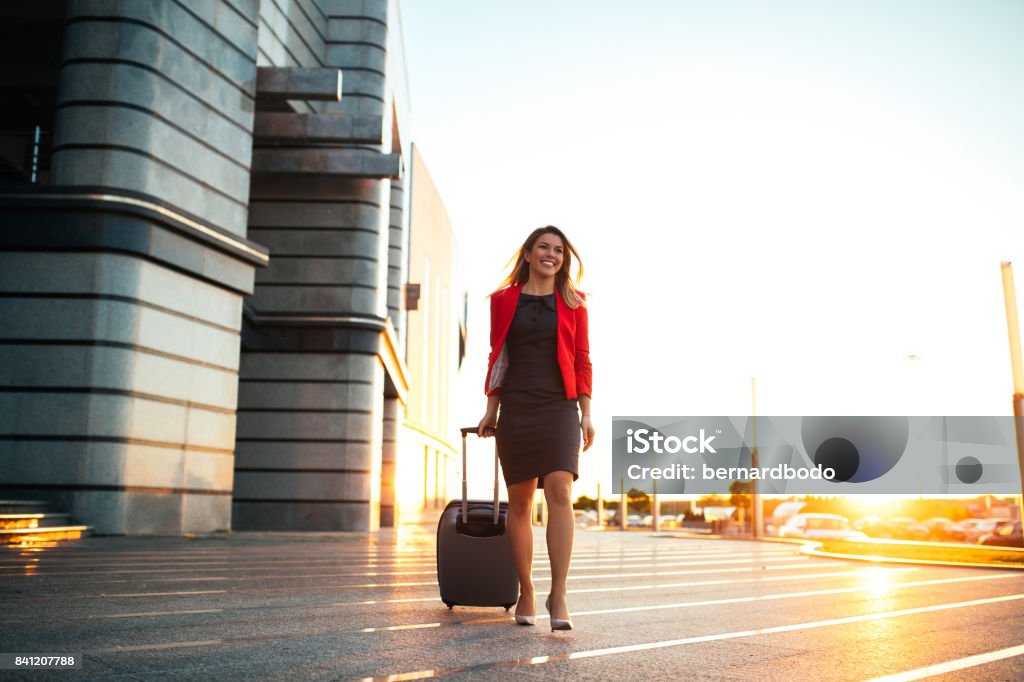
x=600, y=506
x=622, y=503
x=1018, y=372
x=754, y=463
x=654, y=504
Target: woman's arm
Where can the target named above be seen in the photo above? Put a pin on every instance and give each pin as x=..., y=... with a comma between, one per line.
x=485, y=428
x=581, y=360
x=584, y=374
x=585, y=424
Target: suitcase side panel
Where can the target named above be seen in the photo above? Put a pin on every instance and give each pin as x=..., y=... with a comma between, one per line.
x=474, y=571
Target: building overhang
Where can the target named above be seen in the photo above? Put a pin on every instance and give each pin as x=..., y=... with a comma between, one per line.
x=299, y=333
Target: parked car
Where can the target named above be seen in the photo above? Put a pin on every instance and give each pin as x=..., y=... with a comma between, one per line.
x=664, y=521
x=667, y=521
x=904, y=528
x=873, y=526
x=585, y=519
x=1006, y=535
x=819, y=527
x=974, y=529
x=943, y=530
x=634, y=521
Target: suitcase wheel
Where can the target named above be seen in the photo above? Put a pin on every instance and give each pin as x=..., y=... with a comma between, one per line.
x=449, y=605
x=508, y=606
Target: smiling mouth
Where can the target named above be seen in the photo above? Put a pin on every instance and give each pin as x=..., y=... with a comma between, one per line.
x=548, y=263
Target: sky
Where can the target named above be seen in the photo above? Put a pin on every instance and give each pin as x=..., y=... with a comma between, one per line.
x=814, y=194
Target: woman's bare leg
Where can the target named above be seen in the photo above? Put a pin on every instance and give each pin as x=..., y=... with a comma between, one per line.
x=561, y=525
x=520, y=537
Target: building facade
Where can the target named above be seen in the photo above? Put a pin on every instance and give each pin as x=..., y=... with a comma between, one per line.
x=203, y=262
x=436, y=330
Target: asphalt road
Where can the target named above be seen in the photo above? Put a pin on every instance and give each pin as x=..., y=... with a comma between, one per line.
x=352, y=606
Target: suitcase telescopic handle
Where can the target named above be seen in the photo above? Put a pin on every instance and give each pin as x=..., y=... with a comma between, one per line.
x=466, y=430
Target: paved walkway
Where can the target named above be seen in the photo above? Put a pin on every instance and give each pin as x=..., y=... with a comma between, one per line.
x=353, y=605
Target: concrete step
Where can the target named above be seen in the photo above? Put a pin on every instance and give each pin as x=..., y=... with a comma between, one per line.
x=25, y=536
x=33, y=520
x=23, y=506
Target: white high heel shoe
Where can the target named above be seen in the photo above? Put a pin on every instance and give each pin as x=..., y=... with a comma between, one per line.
x=557, y=623
x=526, y=620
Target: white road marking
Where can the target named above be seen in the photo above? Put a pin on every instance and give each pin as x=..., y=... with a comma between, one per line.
x=647, y=646
x=44, y=569
x=768, y=597
x=168, y=645
x=800, y=576
x=603, y=576
x=159, y=594
x=951, y=666
x=158, y=613
x=418, y=626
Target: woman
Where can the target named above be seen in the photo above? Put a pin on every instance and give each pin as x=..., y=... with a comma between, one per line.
x=539, y=373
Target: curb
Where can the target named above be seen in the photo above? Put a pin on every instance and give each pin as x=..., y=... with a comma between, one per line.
x=813, y=548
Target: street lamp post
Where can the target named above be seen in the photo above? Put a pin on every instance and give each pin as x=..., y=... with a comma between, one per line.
x=755, y=463
x=1013, y=328
x=622, y=503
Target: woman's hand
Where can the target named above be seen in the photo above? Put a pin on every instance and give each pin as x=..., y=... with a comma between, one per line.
x=485, y=429
x=588, y=432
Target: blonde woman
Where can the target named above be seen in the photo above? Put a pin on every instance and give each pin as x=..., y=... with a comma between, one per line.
x=539, y=374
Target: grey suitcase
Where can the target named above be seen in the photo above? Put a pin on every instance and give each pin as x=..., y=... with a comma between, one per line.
x=474, y=559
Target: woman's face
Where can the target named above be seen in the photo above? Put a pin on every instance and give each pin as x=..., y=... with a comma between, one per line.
x=545, y=258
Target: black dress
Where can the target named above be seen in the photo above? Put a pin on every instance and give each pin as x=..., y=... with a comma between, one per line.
x=538, y=428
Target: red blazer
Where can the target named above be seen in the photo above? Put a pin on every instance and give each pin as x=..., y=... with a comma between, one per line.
x=573, y=343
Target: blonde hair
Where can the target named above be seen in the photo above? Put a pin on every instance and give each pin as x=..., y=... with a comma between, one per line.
x=566, y=287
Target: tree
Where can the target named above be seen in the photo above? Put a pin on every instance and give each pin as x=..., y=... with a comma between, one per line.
x=711, y=501
x=740, y=497
x=638, y=501
x=584, y=502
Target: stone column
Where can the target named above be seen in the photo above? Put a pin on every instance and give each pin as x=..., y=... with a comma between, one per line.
x=389, y=459
x=320, y=354
x=398, y=253
x=122, y=282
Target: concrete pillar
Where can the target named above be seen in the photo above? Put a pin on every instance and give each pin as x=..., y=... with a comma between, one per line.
x=124, y=279
x=309, y=443
x=312, y=384
x=389, y=459
x=398, y=237
x=322, y=378
x=158, y=99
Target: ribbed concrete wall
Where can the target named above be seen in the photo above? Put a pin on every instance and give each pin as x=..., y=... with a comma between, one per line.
x=312, y=392
x=118, y=390
x=309, y=429
x=121, y=285
x=157, y=97
x=291, y=33
x=320, y=264
x=309, y=441
x=398, y=229
x=393, y=410
x=357, y=43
